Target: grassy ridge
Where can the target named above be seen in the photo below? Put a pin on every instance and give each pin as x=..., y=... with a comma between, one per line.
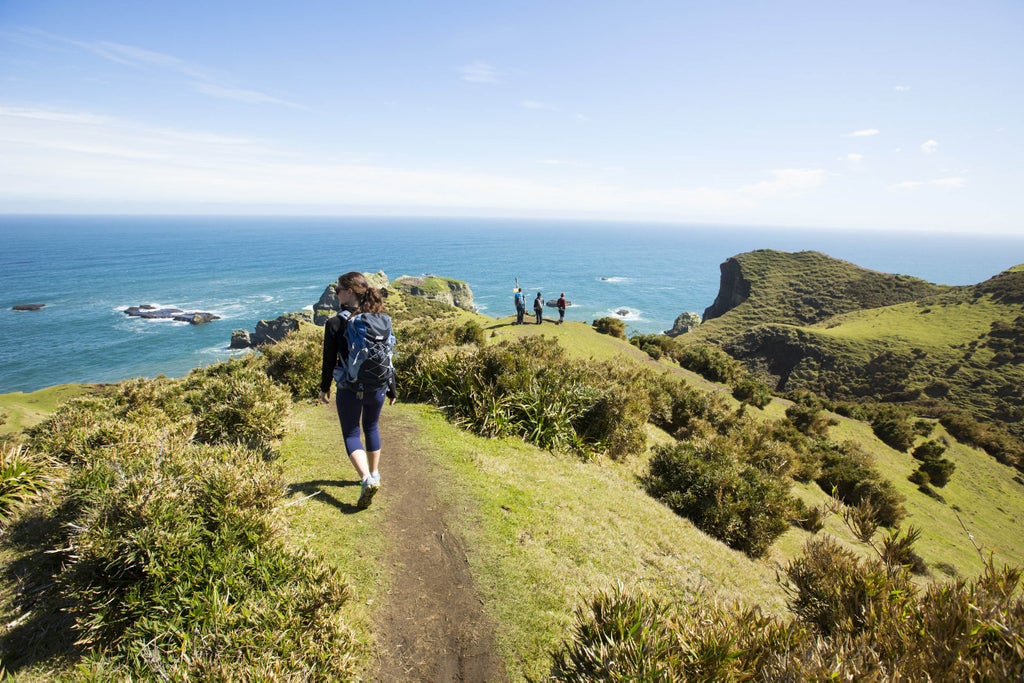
x=569, y=529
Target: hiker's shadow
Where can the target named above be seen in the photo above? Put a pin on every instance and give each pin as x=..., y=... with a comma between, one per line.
x=317, y=490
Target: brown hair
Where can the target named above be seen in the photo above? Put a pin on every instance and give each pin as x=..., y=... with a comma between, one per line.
x=370, y=300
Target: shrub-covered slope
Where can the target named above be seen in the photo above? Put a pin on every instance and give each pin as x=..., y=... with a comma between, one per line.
x=810, y=322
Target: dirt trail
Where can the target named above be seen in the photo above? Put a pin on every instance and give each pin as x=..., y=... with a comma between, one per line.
x=432, y=627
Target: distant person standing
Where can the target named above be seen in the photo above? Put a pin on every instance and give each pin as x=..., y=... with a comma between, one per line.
x=520, y=301
x=561, y=308
x=538, y=308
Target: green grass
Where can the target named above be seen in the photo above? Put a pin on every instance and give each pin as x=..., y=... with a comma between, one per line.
x=19, y=411
x=565, y=529
x=313, y=459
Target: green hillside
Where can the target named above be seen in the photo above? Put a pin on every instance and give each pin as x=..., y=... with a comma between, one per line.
x=543, y=529
x=811, y=322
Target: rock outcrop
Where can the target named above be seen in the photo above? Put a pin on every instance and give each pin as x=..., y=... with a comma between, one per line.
x=683, y=324
x=443, y=289
x=269, y=331
x=27, y=307
x=152, y=312
x=733, y=289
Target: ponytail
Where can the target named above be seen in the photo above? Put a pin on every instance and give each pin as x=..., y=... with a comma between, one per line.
x=370, y=300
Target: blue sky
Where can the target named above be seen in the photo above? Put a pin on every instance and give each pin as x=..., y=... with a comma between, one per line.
x=876, y=115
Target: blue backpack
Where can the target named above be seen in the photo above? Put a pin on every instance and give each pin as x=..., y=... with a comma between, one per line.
x=371, y=346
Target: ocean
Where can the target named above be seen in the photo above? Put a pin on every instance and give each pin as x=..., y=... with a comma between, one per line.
x=88, y=269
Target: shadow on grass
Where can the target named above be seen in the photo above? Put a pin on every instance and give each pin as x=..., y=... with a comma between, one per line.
x=41, y=630
x=316, y=489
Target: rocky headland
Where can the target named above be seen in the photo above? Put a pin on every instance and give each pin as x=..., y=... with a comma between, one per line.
x=444, y=289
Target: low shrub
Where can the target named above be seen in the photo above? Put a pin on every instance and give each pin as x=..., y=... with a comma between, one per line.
x=895, y=432
x=471, y=332
x=852, y=619
x=709, y=362
x=295, y=361
x=236, y=401
x=939, y=470
x=929, y=450
x=850, y=473
x=752, y=391
x=611, y=326
x=734, y=501
x=654, y=345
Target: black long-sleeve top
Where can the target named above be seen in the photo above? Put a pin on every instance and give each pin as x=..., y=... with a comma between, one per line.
x=336, y=351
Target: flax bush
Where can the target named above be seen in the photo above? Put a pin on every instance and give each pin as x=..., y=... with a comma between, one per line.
x=529, y=388
x=24, y=477
x=851, y=619
x=172, y=564
x=295, y=361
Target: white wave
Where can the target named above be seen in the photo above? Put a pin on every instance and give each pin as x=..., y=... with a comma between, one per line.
x=222, y=351
x=626, y=314
x=615, y=279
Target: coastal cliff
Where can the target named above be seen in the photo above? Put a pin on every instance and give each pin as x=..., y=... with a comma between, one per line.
x=446, y=290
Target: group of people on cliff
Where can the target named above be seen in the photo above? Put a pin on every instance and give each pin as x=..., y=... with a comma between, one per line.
x=519, y=300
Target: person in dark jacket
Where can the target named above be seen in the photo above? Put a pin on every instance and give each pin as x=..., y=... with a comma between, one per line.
x=520, y=302
x=354, y=406
x=538, y=308
x=561, y=308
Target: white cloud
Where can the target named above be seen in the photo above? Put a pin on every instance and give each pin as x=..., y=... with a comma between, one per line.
x=952, y=183
x=865, y=133
x=929, y=147
x=901, y=88
x=479, y=72
x=853, y=158
x=58, y=158
x=787, y=182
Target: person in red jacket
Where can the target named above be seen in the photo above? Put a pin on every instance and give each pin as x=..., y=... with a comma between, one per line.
x=561, y=308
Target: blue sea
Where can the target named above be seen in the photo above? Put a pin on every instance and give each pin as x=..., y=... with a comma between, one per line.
x=88, y=269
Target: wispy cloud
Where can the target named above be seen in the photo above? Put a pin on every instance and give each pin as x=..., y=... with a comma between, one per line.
x=952, y=183
x=901, y=88
x=202, y=79
x=864, y=133
x=479, y=72
x=240, y=95
x=853, y=158
x=929, y=147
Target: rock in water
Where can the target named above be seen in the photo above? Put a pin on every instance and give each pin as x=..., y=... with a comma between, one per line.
x=683, y=324
x=240, y=339
x=27, y=307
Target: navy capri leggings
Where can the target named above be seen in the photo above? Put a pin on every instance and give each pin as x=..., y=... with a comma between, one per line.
x=350, y=408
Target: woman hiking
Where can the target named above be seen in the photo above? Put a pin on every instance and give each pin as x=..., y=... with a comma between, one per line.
x=357, y=355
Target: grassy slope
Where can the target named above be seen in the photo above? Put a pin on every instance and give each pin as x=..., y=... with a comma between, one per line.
x=566, y=528
x=18, y=410
x=939, y=336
